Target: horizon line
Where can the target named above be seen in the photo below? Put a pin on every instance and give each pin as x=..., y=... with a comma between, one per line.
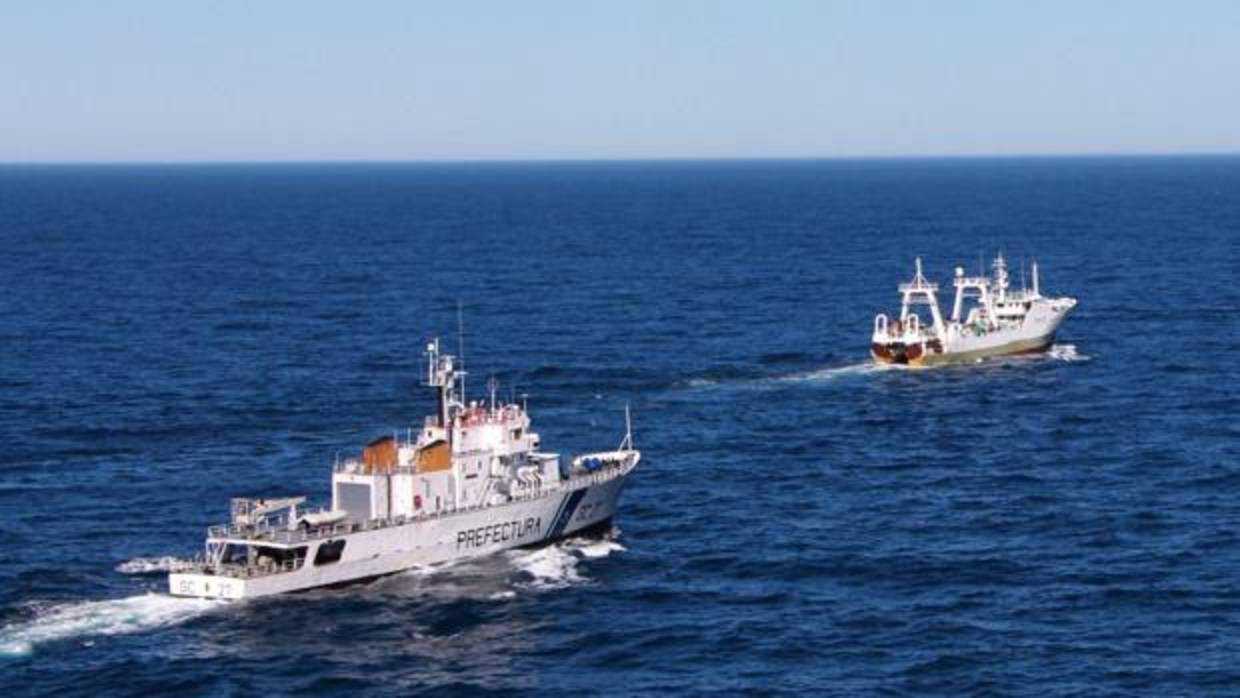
x=627, y=159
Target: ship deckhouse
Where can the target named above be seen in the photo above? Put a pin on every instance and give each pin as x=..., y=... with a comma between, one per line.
x=465, y=455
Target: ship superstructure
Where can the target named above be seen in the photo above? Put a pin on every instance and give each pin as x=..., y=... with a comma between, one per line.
x=988, y=318
x=470, y=481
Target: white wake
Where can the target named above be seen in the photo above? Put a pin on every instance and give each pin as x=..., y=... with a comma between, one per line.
x=864, y=368
x=63, y=621
x=505, y=574
x=150, y=565
x=556, y=566
x=1066, y=352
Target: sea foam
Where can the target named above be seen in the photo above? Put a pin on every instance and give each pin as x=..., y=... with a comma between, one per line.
x=1066, y=352
x=151, y=565
x=64, y=621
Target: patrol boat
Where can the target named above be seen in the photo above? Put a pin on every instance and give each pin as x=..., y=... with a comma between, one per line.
x=473, y=481
x=999, y=322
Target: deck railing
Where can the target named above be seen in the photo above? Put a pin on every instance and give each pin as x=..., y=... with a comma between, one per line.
x=278, y=531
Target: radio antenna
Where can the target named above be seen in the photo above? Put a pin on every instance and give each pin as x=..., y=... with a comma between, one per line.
x=493, y=387
x=627, y=443
x=460, y=342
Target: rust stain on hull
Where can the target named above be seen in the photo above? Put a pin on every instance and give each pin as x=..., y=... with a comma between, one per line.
x=888, y=353
x=931, y=352
x=905, y=354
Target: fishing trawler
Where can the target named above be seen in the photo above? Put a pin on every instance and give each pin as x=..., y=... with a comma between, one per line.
x=999, y=322
x=471, y=481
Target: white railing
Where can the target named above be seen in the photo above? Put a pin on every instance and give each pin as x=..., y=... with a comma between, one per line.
x=279, y=532
x=247, y=571
x=908, y=330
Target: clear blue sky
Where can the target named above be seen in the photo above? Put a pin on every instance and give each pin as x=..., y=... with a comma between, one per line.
x=124, y=80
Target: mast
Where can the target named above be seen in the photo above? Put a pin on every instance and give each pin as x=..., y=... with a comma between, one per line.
x=958, y=303
x=442, y=375
x=460, y=343
x=1001, y=277
x=628, y=430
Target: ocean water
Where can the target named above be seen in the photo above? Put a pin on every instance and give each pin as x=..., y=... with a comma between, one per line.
x=802, y=522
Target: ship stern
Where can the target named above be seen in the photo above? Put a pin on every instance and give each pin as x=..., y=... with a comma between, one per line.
x=205, y=586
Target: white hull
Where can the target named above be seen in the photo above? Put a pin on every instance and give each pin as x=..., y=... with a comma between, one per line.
x=425, y=541
x=1035, y=334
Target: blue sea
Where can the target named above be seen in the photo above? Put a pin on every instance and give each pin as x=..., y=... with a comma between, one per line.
x=801, y=523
